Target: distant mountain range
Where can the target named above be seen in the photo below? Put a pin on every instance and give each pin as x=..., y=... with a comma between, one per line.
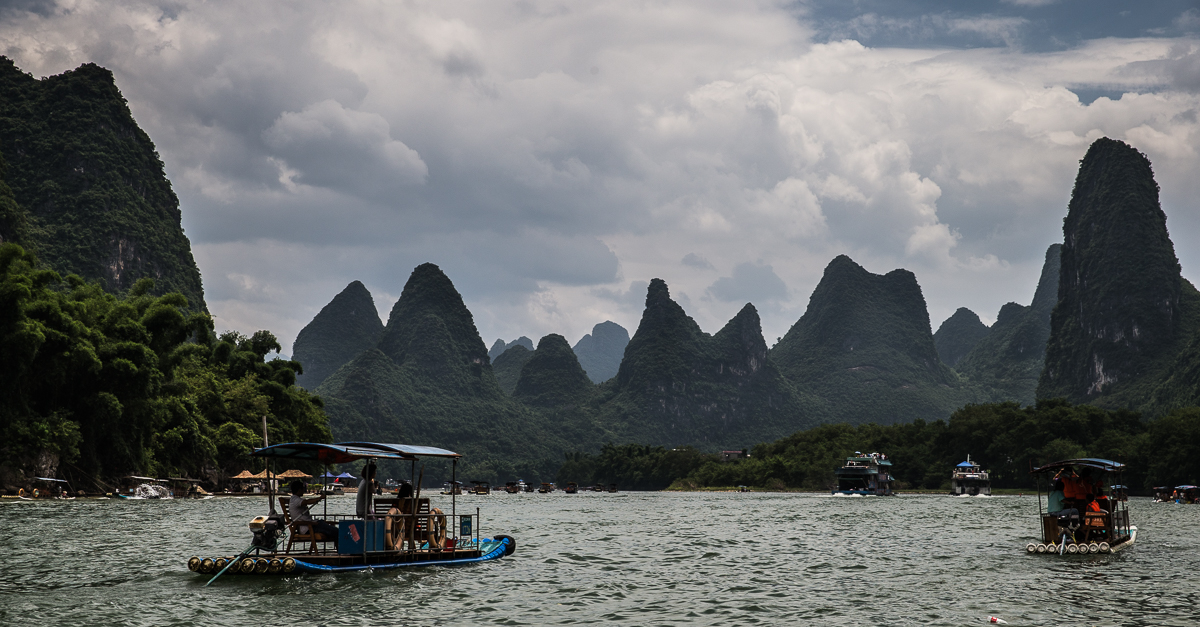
x=1123, y=331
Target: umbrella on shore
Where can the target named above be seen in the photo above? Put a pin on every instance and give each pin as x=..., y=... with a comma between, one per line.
x=293, y=474
x=245, y=474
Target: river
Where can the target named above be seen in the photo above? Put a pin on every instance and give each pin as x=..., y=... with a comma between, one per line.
x=634, y=558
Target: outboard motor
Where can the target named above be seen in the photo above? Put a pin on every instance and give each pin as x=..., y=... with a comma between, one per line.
x=266, y=530
x=1069, y=520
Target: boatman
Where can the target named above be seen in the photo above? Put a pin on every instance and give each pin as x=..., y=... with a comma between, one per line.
x=366, y=488
x=298, y=510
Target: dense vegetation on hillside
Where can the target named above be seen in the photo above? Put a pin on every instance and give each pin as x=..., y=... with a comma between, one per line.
x=864, y=346
x=679, y=386
x=1005, y=438
x=507, y=366
x=1007, y=362
x=429, y=381
x=958, y=334
x=600, y=351
x=95, y=386
x=345, y=327
x=1124, y=312
x=96, y=200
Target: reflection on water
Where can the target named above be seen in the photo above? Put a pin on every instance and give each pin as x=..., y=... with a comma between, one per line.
x=632, y=558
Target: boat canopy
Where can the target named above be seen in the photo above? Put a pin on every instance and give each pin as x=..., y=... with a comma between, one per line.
x=49, y=479
x=143, y=478
x=1106, y=465
x=325, y=453
x=1185, y=487
x=404, y=449
x=967, y=465
x=1118, y=487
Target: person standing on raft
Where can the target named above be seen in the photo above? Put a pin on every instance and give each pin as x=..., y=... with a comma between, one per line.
x=366, y=488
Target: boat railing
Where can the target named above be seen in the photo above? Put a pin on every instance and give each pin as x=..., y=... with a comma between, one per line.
x=411, y=533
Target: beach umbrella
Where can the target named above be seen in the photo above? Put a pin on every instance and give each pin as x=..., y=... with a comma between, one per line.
x=346, y=475
x=293, y=474
x=245, y=474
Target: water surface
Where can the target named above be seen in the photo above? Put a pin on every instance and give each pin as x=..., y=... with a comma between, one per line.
x=628, y=558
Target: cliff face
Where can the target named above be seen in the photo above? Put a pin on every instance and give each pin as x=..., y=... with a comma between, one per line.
x=865, y=347
x=1009, y=360
x=600, y=351
x=958, y=334
x=97, y=201
x=1119, y=316
x=345, y=327
x=677, y=385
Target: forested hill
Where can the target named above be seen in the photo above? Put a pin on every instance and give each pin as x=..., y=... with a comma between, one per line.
x=1007, y=361
x=345, y=327
x=1125, y=329
x=864, y=346
x=94, y=198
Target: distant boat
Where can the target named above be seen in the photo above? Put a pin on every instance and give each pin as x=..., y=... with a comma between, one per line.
x=865, y=475
x=546, y=488
x=571, y=488
x=612, y=488
x=970, y=479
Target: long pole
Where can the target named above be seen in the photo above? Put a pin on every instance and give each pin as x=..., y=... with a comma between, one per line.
x=235, y=560
x=270, y=484
x=454, y=496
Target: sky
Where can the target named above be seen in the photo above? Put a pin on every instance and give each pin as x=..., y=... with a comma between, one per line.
x=553, y=157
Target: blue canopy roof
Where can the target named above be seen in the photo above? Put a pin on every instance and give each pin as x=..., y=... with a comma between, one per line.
x=1185, y=487
x=967, y=465
x=324, y=453
x=1106, y=465
x=407, y=450
x=346, y=475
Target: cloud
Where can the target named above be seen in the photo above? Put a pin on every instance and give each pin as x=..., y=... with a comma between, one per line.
x=750, y=282
x=696, y=261
x=331, y=146
x=552, y=159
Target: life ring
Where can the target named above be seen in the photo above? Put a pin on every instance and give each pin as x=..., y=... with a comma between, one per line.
x=36, y=493
x=437, y=529
x=21, y=492
x=511, y=547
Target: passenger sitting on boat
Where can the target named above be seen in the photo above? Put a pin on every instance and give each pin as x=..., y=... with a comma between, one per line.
x=298, y=509
x=365, y=489
x=1080, y=488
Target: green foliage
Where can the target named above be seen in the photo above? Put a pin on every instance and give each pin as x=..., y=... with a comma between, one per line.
x=345, y=327
x=134, y=384
x=507, y=367
x=1121, y=318
x=632, y=466
x=958, y=335
x=1005, y=438
x=430, y=382
x=552, y=377
x=679, y=386
x=96, y=200
x=865, y=348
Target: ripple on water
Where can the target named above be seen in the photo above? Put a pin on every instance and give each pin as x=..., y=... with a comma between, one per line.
x=629, y=558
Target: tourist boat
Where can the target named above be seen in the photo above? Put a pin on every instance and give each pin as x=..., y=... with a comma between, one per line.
x=1162, y=494
x=571, y=488
x=969, y=479
x=397, y=533
x=481, y=487
x=512, y=488
x=1189, y=494
x=546, y=488
x=452, y=487
x=1073, y=524
x=865, y=475
x=48, y=488
x=612, y=488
